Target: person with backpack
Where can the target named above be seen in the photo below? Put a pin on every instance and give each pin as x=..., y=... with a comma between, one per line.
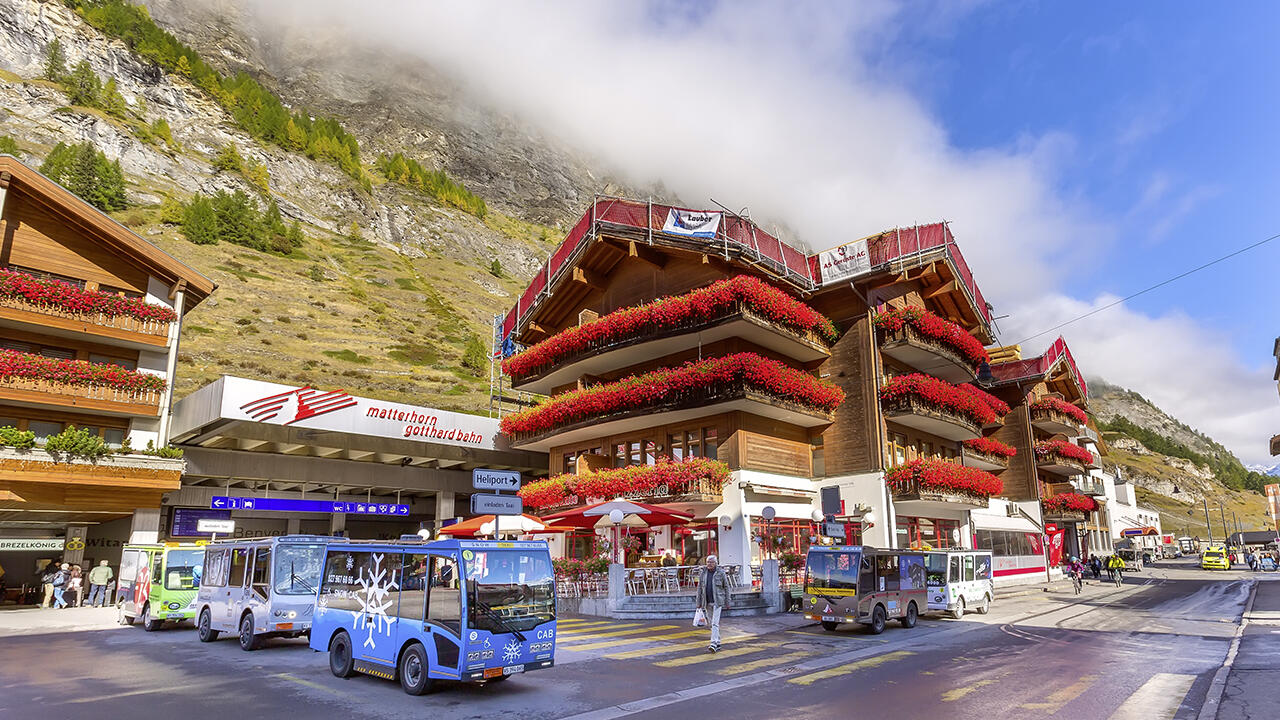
x=60, y=580
x=50, y=572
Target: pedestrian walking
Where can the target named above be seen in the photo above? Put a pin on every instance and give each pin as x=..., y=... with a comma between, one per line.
x=60, y=580
x=50, y=572
x=1095, y=564
x=98, y=579
x=75, y=586
x=713, y=597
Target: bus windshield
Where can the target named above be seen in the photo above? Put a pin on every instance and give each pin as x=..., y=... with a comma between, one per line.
x=298, y=569
x=182, y=568
x=509, y=590
x=831, y=573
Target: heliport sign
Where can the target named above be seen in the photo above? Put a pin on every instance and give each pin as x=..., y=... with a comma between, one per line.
x=337, y=411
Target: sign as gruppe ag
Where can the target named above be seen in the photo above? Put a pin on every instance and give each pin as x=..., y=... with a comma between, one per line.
x=337, y=411
x=845, y=262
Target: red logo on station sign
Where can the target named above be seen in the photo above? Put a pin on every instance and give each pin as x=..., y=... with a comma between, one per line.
x=307, y=402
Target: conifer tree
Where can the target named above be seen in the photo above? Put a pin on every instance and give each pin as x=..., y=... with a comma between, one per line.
x=83, y=85
x=55, y=61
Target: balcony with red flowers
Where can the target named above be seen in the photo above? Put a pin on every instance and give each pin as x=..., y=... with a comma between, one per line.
x=926, y=342
x=743, y=381
x=53, y=307
x=742, y=307
x=936, y=407
x=1061, y=457
x=932, y=480
x=693, y=479
x=1067, y=507
x=38, y=381
x=1056, y=416
x=987, y=454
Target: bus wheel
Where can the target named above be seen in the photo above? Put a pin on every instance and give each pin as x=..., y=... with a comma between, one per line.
x=985, y=607
x=413, y=670
x=248, y=641
x=341, y=662
x=830, y=625
x=148, y=623
x=959, y=611
x=205, y=627
x=909, y=620
x=878, y=620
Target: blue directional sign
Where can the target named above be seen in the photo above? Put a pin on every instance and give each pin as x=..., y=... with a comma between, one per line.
x=222, y=502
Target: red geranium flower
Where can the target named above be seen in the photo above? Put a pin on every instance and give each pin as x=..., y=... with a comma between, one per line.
x=1049, y=449
x=14, y=364
x=610, y=482
x=940, y=394
x=1066, y=502
x=653, y=388
x=935, y=328
x=699, y=305
x=1050, y=402
x=944, y=476
x=68, y=297
x=991, y=446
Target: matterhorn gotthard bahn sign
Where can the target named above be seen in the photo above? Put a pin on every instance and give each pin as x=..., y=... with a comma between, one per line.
x=337, y=411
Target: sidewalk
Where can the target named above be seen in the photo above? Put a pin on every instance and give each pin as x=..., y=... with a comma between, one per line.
x=33, y=621
x=1251, y=690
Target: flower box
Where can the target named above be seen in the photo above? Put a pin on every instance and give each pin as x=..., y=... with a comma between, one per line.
x=680, y=313
x=1062, y=457
x=693, y=384
x=935, y=406
x=1056, y=415
x=666, y=479
x=1068, y=505
x=942, y=481
x=916, y=324
x=21, y=291
x=78, y=379
x=987, y=454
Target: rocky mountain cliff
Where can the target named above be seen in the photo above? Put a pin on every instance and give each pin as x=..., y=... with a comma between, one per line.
x=390, y=286
x=1175, y=467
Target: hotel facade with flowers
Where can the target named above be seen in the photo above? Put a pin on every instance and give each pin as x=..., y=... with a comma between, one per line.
x=692, y=360
x=89, y=322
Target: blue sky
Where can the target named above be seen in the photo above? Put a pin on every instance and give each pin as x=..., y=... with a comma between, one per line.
x=1081, y=150
x=1167, y=119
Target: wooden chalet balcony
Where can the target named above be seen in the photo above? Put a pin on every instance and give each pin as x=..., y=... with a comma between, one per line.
x=101, y=399
x=1064, y=515
x=915, y=413
x=1059, y=465
x=119, y=330
x=653, y=342
x=1053, y=489
x=113, y=483
x=704, y=490
x=913, y=492
x=983, y=461
x=697, y=403
x=931, y=357
x=1090, y=486
x=1054, y=422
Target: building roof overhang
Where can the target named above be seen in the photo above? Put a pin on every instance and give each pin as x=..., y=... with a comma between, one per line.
x=1055, y=367
x=96, y=225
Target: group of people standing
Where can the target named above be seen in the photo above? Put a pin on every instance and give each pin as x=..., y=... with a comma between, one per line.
x=1254, y=558
x=63, y=579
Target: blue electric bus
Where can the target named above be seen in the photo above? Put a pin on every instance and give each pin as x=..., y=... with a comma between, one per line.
x=466, y=610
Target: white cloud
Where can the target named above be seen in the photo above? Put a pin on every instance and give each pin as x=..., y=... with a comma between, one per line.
x=773, y=106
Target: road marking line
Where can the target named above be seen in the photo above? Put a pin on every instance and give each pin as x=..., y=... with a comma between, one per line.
x=848, y=668
x=1159, y=697
x=594, y=635
x=608, y=626
x=1056, y=699
x=705, y=656
x=143, y=691
x=628, y=641
x=765, y=662
x=958, y=693
x=673, y=647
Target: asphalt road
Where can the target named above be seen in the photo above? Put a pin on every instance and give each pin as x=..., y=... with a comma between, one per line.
x=1150, y=649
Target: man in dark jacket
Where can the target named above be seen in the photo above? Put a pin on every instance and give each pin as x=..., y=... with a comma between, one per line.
x=712, y=597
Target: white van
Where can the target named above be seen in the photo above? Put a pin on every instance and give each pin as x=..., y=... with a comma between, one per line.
x=261, y=587
x=959, y=580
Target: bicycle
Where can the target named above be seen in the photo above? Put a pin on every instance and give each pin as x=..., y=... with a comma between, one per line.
x=1076, y=582
x=1119, y=577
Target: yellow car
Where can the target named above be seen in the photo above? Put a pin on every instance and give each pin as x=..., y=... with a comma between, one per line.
x=1214, y=560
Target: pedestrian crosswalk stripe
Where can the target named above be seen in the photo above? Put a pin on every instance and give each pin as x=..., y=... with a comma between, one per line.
x=1056, y=699
x=629, y=640
x=579, y=624
x=1160, y=697
x=674, y=647
x=615, y=633
x=763, y=663
x=602, y=626
x=705, y=656
x=848, y=668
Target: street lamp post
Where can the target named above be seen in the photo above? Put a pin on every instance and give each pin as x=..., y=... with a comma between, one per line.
x=1206, y=518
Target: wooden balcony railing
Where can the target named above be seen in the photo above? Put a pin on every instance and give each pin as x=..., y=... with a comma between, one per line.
x=913, y=490
x=90, y=397
x=128, y=323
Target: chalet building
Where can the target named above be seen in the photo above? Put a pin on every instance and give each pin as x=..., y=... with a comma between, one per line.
x=89, y=323
x=693, y=360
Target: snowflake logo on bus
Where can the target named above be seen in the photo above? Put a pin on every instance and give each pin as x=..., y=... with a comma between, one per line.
x=511, y=651
x=374, y=598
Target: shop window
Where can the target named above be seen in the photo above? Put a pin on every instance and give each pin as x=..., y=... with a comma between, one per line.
x=710, y=443
x=48, y=275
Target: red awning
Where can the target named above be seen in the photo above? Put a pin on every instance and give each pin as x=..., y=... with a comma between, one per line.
x=634, y=515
